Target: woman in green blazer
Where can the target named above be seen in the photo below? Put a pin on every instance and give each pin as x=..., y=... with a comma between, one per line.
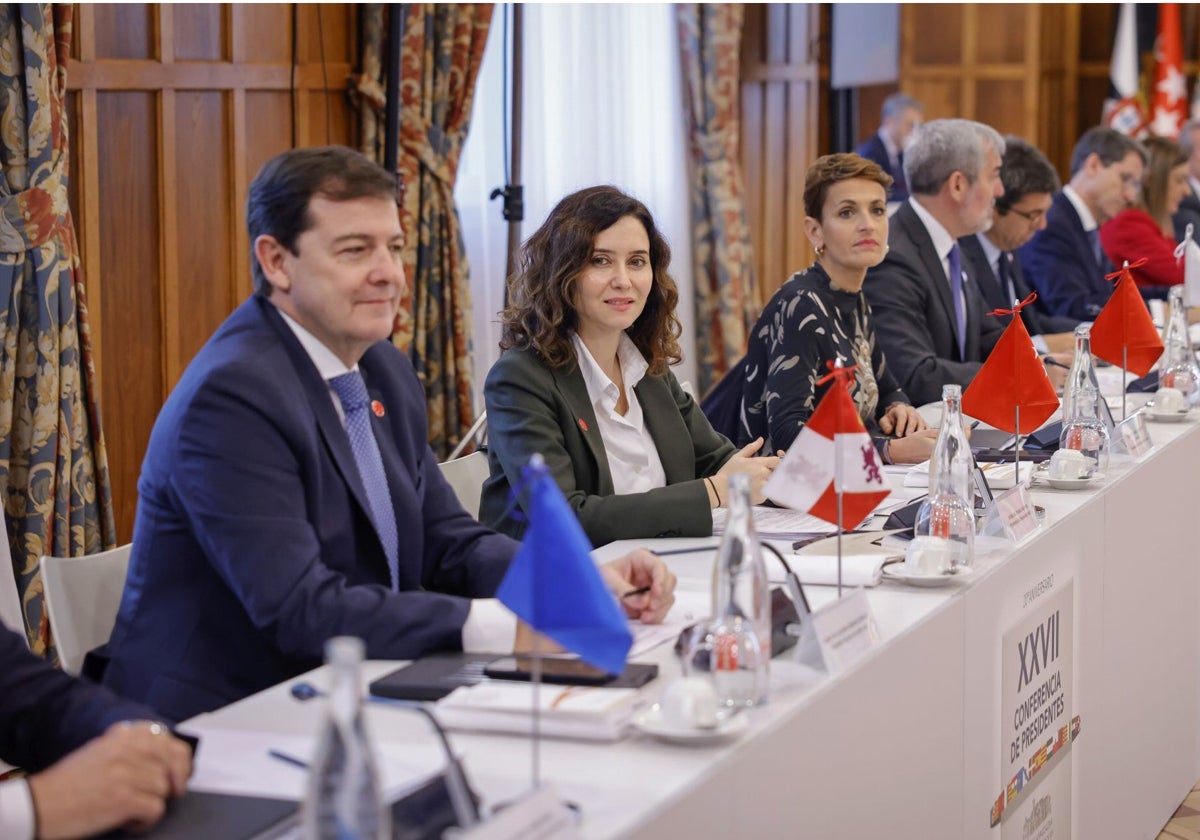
x=585, y=382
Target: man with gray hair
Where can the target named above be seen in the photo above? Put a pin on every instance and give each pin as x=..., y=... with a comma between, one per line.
x=1064, y=262
x=1189, y=209
x=899, y=117
x=929, y=315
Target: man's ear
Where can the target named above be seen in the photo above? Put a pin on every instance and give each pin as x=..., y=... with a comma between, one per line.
x=271, y=256
x=1092, y=164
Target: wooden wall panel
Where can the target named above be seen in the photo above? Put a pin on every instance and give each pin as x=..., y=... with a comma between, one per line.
x=200, y=32
x=173, y=110
x=780, y=95
x=206, y=288
x=124, y=30
x=131, y=381
x=934, y=32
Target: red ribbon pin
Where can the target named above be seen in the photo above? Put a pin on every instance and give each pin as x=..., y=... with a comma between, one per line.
x=377, y=407
x=583, y=424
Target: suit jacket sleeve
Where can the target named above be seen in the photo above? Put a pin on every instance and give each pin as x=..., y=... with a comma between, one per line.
x=238, y=476
x=528, y=414
x=890, y=391
x=1132, y=235
x=900, y=298
x=45, y=713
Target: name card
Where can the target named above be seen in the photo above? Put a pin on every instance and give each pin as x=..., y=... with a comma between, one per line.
x=1012, y=514
x=1135, y=435
x=844, y=630
x=537, y=815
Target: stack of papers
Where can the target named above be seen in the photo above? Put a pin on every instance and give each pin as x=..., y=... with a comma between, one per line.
x=822, y=569
x=772, y=523
x=591, y=713
x=999, y=476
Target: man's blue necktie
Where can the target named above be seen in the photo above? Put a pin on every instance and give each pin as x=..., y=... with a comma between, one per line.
x=960, y=300
x=1094, y=241
x=352, y=391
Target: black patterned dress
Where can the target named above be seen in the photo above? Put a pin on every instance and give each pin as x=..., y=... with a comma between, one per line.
x=808, y=323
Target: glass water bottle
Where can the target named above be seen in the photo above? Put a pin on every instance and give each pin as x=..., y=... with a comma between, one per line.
x=947, y=516
x=733, y=648
x=343, y=801
x=1179, y=369
x=1083, y=425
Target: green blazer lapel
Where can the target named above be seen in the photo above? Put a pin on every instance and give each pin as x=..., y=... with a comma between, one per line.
x=570, y=384
x=671, y=436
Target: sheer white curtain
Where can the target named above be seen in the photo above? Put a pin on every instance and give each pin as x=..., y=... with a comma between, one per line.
x=602, y=106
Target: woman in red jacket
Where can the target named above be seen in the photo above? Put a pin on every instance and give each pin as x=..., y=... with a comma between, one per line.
x=1145, y=230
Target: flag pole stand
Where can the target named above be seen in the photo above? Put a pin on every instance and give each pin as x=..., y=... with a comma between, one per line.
x=841, y=525
x=1124, y=378
x=537, y=464
x=1017, y=443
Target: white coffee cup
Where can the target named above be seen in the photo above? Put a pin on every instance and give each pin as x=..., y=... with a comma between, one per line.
x=1069, y=464
x=1169, y=401
x=690, y=702
x=926, y=555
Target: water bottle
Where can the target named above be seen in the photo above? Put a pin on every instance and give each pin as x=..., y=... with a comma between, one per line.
x=1084, y=429
x=945, y=524
x=733, y=648
x=1179, y=369
x=343, y=801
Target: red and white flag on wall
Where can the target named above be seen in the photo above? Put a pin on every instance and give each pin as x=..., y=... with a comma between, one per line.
x=1124, y=107
x=833, y=441
x=1168, y=101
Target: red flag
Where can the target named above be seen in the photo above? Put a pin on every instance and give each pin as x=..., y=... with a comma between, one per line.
x=806, y=477
x=1125, y=322
x=1168, y=103
x=1012, y=375
x=1125, y=108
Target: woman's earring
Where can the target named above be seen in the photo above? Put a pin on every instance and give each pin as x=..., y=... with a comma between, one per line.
x=819, y=250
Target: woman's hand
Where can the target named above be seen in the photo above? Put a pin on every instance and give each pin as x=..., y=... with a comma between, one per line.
x=744, y=461
x=901, y=419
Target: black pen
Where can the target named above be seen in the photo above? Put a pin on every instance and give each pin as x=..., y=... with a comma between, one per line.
x=641, y=590
x=972, y=424
x=288, y=759
x=696, y=549
x=1046, y=360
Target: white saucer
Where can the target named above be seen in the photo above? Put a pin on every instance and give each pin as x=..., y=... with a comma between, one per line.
x=1166, y=417
x=1072, y=483
x=899, y=573
x=651, y=722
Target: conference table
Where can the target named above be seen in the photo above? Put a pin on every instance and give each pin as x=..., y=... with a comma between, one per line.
x=912, y=739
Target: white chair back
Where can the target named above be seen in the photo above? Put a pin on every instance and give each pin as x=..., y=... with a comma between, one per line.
x=466, y=475
x=83, y=595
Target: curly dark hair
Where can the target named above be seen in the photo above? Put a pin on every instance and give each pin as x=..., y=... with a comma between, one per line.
x=540, y=313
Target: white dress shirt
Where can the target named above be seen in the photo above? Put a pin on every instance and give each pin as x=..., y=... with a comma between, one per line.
x=488, y=621
x=632, y=454
x=16, y=810
x=942, y=240
x=1085, y=215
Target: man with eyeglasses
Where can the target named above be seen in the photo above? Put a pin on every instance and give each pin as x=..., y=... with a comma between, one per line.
x=1064, y=261
x=1030, y=184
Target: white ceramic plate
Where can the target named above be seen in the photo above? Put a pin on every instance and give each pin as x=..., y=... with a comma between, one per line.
x=1073, y=483
x=651, y=722
x=899, y=573
x=1166, y=417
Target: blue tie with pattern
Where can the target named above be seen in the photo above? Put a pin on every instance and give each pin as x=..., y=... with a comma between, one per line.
x=352, y=391
x=960, y=300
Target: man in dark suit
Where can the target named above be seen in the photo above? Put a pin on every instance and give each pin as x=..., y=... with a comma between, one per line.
x=97, y=762
x=1064, y=262
x=1189, y=209
x=928, y=311
x=288, y=493
x=1030, y=183
x=898, y=118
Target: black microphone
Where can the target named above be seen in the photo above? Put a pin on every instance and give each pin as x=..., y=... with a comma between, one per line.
x=466, y=811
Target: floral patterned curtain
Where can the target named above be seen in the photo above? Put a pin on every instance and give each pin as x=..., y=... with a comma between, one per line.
x=53, y=466
x=442, y=52
x=727, y=299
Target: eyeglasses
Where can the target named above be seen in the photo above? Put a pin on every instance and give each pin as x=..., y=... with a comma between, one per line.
x=1033, y=218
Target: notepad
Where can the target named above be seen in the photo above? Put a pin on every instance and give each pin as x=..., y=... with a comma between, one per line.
x=582, y=712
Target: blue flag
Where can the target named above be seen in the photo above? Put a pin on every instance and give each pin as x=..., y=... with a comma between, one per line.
x=555, y=588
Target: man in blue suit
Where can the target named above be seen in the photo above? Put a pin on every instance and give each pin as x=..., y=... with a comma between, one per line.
x=1064, y=263
x=96, y=761
x=277, y=508
x=899, y=117
x=1030, y=184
